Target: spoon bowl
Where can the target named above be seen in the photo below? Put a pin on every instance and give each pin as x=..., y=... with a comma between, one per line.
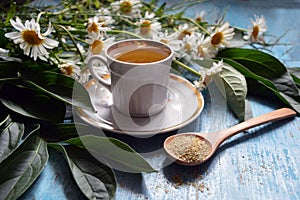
x=194, y=148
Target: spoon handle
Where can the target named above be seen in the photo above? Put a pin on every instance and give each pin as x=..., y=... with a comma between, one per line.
x=265, y=118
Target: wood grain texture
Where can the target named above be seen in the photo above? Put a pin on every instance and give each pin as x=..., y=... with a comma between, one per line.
x=262, y=163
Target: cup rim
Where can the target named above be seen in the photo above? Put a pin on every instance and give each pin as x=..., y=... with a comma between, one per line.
x=135, y=64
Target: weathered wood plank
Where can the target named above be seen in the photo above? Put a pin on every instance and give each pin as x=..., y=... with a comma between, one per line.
x=263, y=163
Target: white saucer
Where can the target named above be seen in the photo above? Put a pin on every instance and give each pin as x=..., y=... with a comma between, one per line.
x=184, y=105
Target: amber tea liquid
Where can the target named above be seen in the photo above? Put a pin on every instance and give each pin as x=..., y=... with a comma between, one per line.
x=143, y=55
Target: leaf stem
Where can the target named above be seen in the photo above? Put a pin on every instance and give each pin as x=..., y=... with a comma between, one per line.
x=125, y=32
x=73, y=40
x=196, y=24
x=187, y=67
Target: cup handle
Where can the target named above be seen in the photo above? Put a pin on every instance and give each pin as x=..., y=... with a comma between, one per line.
x=105, y=83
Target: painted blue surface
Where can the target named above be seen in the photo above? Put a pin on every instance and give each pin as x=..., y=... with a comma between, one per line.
x=262, y=163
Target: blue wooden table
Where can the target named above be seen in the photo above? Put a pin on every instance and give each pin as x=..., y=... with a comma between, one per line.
x=262, y=163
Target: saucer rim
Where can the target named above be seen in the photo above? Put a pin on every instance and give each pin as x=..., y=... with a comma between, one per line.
x=200, y=101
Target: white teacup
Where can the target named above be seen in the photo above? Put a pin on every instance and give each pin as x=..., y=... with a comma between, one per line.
x=139, y=71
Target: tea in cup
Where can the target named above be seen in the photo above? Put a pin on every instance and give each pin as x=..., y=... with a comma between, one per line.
x=139, y=75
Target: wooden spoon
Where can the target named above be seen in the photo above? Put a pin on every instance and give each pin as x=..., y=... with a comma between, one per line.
x=206, y=144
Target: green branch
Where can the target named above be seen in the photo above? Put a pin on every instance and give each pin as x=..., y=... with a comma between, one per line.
x=73, y=40
x=196, y=24
x=187, y=68
x=125, y=32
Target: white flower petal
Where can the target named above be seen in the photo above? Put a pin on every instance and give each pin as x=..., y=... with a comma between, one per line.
x=13, y=35
x=42, y=37
x=26, y=48
x=43, y=58
x=32, y=24
x=17, y=24
x=3, y=51
x=18, y=40
x=22, y=45
x=28, y=25
x=42, y=50
x=50, y=43
x=34, y=52
x=37, y=28
x=49, y=30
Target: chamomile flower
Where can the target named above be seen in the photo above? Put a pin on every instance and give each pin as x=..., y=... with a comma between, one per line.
x=70, y=69
x=31, y=40
x=97, y=45
x=255, y=32
x=148, y=25
x=104, y=17
x=207, y=74
x=127, y=7
x=216, y=68
x=185, y=30
x=200, y=84
x=200, y=17
x=169, y=39
x=202, y=49
x=221, y=36
x=189, y=42
x=104, y=12
x=95, y=25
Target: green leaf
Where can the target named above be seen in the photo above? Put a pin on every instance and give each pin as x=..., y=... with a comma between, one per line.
x=295, y=73
x=29, y=67
x=31, y=103
x=265, y=83
x=10, y=136
x=160, y=11
x=114, y=152
x=290, y=101
x=235, y=86
x=6, y=121
x=249, y=74
x=11, y=12
x=264, y=65
x=95, y=180
x=60, y=132
x=3, y=39
x=232, y=85
x=22, y=167
x=2, y=80
x=63, y=88
x=8, y=69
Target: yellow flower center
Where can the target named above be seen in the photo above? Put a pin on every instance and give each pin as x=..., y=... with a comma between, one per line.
x=184, y=33
x=93, y=28
x=255, y=32
x=31, y=37
x=145, y=27
x=198, y=19
x=97, y=47
x=217, y=38
x=188, y=47
x=125, y=7
x=67, y=70
x=102, y=23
